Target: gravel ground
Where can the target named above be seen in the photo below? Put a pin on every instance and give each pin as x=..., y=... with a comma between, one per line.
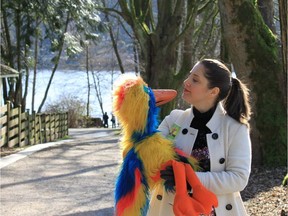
x=264, y=194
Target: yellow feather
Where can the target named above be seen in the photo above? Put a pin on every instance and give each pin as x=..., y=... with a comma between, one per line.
x=134, y=209
x=154, y=152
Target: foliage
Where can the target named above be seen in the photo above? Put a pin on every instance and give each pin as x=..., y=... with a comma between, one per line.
x=68, y=103
x=285, y=180
x=66, y=24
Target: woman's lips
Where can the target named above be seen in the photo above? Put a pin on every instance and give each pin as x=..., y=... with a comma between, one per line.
x=186, y=91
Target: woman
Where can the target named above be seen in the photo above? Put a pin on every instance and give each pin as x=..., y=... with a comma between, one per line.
x=214, y=130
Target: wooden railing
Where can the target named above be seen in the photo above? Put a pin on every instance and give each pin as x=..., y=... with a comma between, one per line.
x=18, y=129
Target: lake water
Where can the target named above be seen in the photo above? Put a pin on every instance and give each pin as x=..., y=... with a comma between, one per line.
x=74, y=83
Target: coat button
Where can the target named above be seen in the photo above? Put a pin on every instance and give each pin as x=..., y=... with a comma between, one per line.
x=215, y=136
x=159, y=197
x=222, y=160
x=229, y=207
x=184, y=131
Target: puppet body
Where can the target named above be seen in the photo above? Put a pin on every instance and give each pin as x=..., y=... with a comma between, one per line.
x=145, y=151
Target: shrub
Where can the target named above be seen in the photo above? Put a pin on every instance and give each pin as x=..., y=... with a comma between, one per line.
x=68, y=103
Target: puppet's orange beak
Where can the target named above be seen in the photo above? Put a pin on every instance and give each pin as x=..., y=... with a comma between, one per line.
x=163, y=96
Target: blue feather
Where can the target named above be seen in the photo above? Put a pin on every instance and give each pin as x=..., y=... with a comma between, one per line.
x=152, y=119
x=125, y=182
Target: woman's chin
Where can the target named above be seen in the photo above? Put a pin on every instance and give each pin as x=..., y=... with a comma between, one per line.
x=185, y=97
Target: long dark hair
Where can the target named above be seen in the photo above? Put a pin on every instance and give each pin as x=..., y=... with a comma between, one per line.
x=233, y=92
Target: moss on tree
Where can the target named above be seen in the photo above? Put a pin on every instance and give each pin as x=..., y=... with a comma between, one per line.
x=271, y=119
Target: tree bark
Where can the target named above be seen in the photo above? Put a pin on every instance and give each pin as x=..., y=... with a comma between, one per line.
x=284, y=34
x=18, y=86
x=266, y=7
x=159, y=39
x=88, y=81
x=254, y=53
x=57, y=59
x=35, y=68
x=98, y=91
x=114, y=42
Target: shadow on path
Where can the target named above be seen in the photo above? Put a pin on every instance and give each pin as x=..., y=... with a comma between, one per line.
x=100, y=212
x=78, y=172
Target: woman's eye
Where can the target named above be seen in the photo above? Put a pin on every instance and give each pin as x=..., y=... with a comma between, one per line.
x=194, y=80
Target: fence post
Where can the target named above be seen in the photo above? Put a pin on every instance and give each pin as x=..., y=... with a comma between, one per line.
x=66, y=124
x=28, y=127
x=60, y=125
x=33, y=127
x=49, y=126
x=56, y=125
x=40, y=127
x=19, y=124
x=44, y=127
x=8, y=121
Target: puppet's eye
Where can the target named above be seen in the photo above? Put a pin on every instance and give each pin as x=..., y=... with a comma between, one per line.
x=146, y=89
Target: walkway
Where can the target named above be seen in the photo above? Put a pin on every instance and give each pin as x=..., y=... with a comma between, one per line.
x=73, y=178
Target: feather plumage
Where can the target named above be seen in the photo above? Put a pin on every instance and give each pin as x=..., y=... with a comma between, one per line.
x=144, y=149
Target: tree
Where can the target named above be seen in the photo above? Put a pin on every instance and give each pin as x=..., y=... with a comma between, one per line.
x=284, y=34
x=81, y=15
x=160, y=34
x=266, y=8
x=97, y=87
x=17, y=30
x=253, y=50
x=25, y=22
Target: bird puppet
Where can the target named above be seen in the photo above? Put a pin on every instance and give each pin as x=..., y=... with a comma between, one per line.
x=146, y=152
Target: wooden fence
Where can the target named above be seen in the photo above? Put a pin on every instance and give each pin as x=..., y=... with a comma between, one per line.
x=19, y=129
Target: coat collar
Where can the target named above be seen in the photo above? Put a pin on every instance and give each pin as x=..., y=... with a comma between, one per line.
x=215, y=121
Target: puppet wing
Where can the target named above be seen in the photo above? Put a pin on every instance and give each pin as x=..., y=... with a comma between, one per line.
x=131, y=192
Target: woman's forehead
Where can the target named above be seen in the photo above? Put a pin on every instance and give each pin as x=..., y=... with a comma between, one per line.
x=198, y=70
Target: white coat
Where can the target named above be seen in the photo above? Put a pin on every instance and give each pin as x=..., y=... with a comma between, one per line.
x=230, y=158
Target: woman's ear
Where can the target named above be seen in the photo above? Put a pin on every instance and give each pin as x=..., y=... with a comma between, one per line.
x=214, y=91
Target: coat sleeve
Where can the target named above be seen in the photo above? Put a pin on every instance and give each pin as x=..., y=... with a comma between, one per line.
x=238, y=166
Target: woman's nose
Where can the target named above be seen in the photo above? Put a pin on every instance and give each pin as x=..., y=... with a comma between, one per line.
x=186, y=83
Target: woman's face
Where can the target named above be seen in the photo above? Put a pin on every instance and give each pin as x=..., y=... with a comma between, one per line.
x=196, y=90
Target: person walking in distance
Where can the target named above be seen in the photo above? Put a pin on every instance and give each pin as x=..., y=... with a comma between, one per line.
x=105, y=120
x=113, y=120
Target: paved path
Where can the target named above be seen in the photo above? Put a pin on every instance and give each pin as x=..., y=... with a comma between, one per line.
x=73, y=178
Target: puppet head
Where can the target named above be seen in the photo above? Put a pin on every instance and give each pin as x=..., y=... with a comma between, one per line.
x=135, y=104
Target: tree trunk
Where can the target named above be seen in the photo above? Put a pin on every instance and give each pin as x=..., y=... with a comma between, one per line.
x=283, y=26
x=253, y=51
x=115, y=47
x=159, y=38
x=35, y=68
x=88, y=80
x=136, y=55
x=57, y=59
x=114, y=42
x=98, y=91
x=266, y=7
x=18, y=86
x=9, y=57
